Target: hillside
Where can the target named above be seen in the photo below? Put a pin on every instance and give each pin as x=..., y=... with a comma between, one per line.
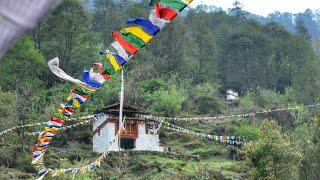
x=184, y=71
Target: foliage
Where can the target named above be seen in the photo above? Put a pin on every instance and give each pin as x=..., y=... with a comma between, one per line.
x=272, y=156
x=308, y=137
x=250, y=132
x=206, y=99
x=23, y=68
x=167, y=101
x=184, y=71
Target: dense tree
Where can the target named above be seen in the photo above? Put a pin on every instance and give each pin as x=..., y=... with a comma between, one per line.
x=302, y=30
x=184, y=71
x=23, y=67
x=237, y=12
x=69, y=36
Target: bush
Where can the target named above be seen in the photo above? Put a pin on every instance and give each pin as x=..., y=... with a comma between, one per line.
x=250, y=132
x=163, y=98
x=206, y=99
x=272, y=156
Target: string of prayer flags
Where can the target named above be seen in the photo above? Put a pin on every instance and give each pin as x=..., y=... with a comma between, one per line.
x=219, y=117
x=231, y=140
x=130, y=40
x=145, y=24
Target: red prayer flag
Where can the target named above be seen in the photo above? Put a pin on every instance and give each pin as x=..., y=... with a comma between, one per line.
x=127, y=46
x=165, y=13
x=57, y=120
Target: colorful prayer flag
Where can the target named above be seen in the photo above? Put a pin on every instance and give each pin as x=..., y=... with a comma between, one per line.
x=114, y=62
x=138, y=32
x=174, y=4
x=125, y=44
x=117, y=46
x=145, y=24
x=89, y=82
x=161, y=23
x=165, y=13
x=132, y=39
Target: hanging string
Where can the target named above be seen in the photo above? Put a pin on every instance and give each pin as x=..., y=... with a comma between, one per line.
x=83, y=121
x=220, y=117
x=232, y=140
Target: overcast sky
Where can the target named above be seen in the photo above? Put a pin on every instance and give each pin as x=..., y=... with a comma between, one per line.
x=264, y=7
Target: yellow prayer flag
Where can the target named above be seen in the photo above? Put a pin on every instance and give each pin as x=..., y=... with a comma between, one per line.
x=87, y=88
x=137, y=31
x=189, y=1
x=98, y=161
x=44, y=139
x=69, y=97
x=114, y=62
x=53, y=129
x=76, y=103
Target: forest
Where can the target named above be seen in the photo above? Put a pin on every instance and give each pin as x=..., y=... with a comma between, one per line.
x=185, y=71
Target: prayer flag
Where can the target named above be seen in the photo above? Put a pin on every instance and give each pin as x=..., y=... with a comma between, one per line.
x=132, y=39
x=89, y=82
x=114, y=62
x=125, y=44
x=145, y=24
x=161, y=23
x=174, y=4
x=138, y=32
x=116, y=45
x=165, y=13
x=101, y=71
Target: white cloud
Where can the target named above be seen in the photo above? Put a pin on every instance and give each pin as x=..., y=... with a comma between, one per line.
x=264, y=7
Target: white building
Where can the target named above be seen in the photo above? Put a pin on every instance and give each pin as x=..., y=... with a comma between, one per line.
x=139, y=134
x=232, y=95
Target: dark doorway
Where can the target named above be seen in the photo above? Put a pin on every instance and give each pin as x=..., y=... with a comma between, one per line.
x=127, y=143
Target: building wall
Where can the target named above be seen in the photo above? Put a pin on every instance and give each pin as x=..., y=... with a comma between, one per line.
x=107, y=134
x=144, y=142
x=147, y=142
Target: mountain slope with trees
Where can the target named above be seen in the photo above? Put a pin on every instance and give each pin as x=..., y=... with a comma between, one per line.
x=184, y=71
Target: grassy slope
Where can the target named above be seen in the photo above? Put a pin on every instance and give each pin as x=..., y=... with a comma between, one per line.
x=215, y=160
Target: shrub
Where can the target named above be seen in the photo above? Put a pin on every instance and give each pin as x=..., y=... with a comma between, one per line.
x=250, y=132
x=272, y=156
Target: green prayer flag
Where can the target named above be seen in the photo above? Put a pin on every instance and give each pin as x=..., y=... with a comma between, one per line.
x=83, y=91
x=174, y=4
x=132, y=39
x=109, y=71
